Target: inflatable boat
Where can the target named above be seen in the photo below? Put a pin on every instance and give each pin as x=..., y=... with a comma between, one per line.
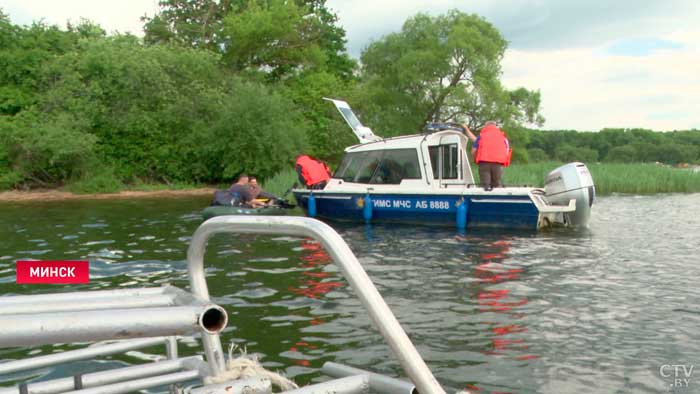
x=221, y=210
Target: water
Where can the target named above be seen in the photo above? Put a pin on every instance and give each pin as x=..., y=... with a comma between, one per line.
x=598, y=310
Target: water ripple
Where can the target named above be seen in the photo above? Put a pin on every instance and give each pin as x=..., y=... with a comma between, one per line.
x=595, y=310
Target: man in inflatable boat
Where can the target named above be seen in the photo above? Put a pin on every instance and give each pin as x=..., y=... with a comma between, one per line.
x=247, y=193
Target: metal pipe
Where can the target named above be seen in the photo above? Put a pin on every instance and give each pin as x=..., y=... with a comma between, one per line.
x=140, y=384
x=255, y=385
x=379, y=311
x=80, y=296
x=106, y=377
x=28, y=330
x=144, y=301
x=377, y=383
x=171, y=348
x=171, y=354
x=79, y=354
x=349, y=385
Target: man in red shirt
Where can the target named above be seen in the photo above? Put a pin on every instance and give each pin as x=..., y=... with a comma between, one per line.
x=491, y=151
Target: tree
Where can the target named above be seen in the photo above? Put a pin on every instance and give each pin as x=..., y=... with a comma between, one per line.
x=440, y=69
x=328, y=133
x=537, y=155
x=621, y=154
x=277, y=37
x=192, y=23
x=273, y=35
x=569, y=153
x=23, y=53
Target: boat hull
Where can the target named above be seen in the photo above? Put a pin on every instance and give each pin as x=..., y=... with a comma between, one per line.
x=222, y=210
x=499, y=211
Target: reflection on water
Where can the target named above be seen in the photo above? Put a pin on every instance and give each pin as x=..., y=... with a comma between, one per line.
x=597, y=310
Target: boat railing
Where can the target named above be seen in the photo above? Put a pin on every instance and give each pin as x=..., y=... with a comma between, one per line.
x=146, y=317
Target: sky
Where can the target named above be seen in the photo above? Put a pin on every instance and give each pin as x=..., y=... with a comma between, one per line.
x=597, y=63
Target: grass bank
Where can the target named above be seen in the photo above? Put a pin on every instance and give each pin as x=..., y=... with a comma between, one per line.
x=614, y=178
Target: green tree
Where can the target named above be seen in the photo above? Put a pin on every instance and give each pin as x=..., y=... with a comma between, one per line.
x=277, y=37
x=622, y=154
x=439, y=69
x=254, y=130
x=328, y=134
x=260, y=34
x=569, y=153
x=537, y=155
x=23, y=53
x=191, y=23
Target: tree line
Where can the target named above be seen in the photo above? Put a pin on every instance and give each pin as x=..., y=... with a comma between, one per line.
x=219, y=87
x=610, y=145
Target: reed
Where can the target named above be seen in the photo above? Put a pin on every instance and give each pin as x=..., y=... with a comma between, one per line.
x=610, y=178
x=281, y=182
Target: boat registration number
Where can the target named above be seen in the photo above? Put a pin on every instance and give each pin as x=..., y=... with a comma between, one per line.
x=411, y=204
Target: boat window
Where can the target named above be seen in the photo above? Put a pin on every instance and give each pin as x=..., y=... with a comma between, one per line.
x=397, y=165
x=444, y=160
x=358, y=166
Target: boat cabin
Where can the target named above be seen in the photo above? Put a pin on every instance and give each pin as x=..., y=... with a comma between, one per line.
x=436, y=160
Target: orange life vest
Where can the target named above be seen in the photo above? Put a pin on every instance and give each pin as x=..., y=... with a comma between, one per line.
x=312, y=171
x=493, y=146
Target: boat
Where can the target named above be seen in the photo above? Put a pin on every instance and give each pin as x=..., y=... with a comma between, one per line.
x=427, y=179
x=221, y=210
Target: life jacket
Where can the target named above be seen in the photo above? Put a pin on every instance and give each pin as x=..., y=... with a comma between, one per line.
x=312, y=171
x=492, y=146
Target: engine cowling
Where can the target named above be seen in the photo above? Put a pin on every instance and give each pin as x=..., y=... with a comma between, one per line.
x=571, y=181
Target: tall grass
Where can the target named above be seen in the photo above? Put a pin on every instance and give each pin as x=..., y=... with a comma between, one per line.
x=614, y=178
x=281, y=182
x=608, y=178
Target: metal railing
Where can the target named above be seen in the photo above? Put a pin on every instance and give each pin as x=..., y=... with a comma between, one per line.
x=333, y=243
x=167, y=311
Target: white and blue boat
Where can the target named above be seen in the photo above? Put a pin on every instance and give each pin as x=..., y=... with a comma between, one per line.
x=426, y=179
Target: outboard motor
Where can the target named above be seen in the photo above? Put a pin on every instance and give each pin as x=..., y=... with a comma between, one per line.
x=569, y=181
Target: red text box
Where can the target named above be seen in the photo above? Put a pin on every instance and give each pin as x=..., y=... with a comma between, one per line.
x=57, y=272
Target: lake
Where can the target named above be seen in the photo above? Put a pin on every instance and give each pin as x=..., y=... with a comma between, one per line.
x=597, y=310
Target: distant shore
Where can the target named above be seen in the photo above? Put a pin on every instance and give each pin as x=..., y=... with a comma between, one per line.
x=59, y=195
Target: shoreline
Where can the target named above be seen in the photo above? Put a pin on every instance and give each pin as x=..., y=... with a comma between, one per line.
x=59, y=195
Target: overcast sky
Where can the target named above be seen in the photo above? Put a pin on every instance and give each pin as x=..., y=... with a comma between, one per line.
x=597, y=63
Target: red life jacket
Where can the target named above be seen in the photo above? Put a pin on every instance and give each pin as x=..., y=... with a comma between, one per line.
x=492, y=146
x=312, y=171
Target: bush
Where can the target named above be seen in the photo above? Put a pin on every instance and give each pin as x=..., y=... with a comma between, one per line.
x=45, y=150
x=101, y=180
x=9, y=179
x=254, y=131
x=537, y=155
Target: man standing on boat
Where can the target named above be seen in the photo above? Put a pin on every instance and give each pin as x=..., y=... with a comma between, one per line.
x=491, y=151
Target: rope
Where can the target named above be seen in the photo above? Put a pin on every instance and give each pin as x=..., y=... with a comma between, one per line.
x=246, y=366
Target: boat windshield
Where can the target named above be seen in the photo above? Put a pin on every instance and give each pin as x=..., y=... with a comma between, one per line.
x=389, y=166
x=350, y=117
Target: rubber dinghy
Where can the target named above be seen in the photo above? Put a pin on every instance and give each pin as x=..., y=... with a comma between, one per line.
x=221, y=210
